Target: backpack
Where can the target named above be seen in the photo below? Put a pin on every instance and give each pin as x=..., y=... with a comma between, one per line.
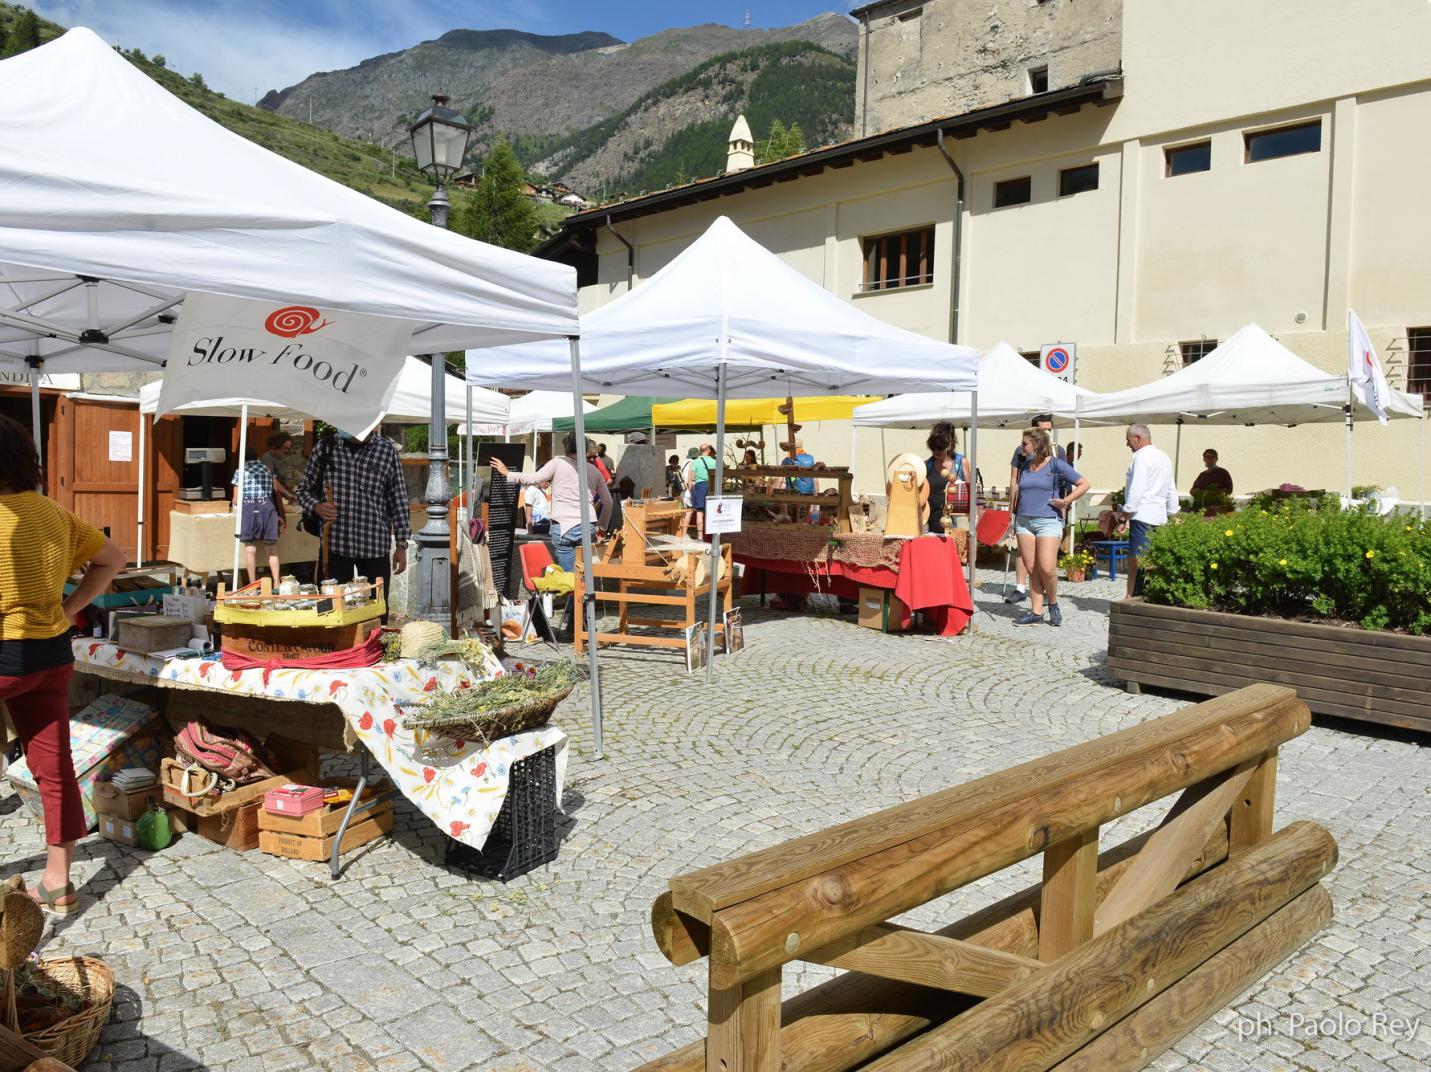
x=231, y=754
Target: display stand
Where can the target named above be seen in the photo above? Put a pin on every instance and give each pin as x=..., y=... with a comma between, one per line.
x=789, y=497
x=646, y=574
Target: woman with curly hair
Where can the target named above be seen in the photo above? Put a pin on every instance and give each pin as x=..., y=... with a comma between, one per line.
x=41, y=544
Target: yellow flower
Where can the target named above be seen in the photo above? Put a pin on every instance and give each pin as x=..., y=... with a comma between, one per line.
x=1214, y=565
x=1228, y=532
x=1371, y=554
x=1282, y=562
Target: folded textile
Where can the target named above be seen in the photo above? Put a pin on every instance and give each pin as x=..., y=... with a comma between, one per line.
x=368, y=653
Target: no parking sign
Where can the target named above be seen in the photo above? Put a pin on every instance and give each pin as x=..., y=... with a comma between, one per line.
x=1059, y=359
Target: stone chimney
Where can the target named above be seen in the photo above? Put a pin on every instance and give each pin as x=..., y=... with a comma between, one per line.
x=741, y=152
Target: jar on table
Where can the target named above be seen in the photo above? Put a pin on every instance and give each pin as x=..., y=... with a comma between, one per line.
x=288, y=586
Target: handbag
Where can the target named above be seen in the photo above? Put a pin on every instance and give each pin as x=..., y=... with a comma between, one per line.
x=230, y=754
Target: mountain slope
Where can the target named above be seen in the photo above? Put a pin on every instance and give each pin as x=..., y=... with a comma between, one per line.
x=679, y=129
x=524, y=86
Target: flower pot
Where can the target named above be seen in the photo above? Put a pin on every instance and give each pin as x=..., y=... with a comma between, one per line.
x=1077, y=575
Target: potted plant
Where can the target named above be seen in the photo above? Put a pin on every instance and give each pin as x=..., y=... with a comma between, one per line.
x=1076, y=564
x=1212, y=501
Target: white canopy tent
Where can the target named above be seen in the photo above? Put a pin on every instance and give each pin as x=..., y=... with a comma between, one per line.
x=728, y=318
x=1249, y=379
x=534, y=411
x=1011, y=390
x=117, y=199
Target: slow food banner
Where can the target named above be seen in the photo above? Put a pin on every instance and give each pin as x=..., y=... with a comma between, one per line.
x=337, y=366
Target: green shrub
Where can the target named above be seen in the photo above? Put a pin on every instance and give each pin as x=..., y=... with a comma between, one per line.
x=1298, y=559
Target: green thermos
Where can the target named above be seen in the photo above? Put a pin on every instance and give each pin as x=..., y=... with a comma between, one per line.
x=153, y=828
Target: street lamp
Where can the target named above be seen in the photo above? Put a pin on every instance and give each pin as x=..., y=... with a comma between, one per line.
x=439, y=141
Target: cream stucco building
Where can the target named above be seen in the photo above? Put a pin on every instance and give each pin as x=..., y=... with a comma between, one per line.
x=1186, y=167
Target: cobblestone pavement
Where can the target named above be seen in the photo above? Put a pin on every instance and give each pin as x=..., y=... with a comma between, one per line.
x=248, y=962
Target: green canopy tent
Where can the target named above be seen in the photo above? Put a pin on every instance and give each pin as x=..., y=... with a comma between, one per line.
x=631, y=414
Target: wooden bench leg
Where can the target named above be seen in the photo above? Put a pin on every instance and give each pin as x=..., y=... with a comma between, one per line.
x=1070, y=894
x=743, y=1026
x=1250, y=820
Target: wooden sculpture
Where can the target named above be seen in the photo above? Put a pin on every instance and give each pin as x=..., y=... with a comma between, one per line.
x=907, y=489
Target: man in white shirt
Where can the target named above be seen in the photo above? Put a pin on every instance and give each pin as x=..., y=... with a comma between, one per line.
x=538, y=504
x=1149, y=495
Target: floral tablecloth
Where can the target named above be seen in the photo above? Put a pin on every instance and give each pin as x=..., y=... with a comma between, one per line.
x=459, y=785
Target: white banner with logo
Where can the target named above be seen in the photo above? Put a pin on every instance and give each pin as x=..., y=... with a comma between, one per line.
x=18, y=375
x=1368, y=380
x=337, y=366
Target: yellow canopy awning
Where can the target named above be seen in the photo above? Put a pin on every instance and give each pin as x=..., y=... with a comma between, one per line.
x=752, y=412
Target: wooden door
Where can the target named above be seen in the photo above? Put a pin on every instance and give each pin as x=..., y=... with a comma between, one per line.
x=101, y=440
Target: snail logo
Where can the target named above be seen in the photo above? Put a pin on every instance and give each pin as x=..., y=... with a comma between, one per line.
x=294, y=320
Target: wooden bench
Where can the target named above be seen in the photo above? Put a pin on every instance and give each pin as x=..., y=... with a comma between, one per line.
x=1103, y=966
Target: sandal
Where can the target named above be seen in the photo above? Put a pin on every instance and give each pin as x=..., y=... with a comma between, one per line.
x=50, y=899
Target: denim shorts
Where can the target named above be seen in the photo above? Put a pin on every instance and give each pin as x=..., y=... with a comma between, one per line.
x=1039, y=526
x=1140, y=535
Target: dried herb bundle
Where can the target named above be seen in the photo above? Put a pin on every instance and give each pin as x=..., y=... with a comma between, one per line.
x=517, y=701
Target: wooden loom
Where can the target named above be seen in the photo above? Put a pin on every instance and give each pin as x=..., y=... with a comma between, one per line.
x=1102, y=967
x=644, y=574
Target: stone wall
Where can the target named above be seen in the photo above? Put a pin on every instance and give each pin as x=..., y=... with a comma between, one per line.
x=921, y=59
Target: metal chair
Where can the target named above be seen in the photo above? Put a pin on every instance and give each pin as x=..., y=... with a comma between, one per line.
x=993, y=530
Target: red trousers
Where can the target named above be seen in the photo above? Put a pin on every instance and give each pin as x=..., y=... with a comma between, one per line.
x=39, y=708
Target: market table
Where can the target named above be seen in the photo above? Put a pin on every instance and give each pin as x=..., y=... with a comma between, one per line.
x=928, y=577
x=459, y=785
x=204, y=543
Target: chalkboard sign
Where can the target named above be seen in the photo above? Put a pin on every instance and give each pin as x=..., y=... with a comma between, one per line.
x=503, y=505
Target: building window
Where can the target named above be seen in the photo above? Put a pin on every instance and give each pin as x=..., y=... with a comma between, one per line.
x=1077, y=180
x=1012, y=192
x=1418, y=362
x=1038, y=79
x=1033, y=357
x=1283, y=141
x=1194, y=352
x=1186, y=159
x=903, y=259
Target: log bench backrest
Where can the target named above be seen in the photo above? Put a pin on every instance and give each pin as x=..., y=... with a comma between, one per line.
x=757, y=912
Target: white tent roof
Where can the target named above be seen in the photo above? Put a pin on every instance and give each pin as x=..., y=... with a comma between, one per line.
x=107, y=177
x=1011, y=390
x=1250, y=379
x=410, y=402
x=786, y=335
x=534, y=412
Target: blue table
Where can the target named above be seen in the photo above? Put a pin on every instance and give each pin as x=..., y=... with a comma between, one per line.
x=1115, y=551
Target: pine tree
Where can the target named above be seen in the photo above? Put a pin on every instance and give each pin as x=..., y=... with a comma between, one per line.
x=499, y=211
x=197, y=79
x=24, y=35
x=775, y=144
x=794, y=140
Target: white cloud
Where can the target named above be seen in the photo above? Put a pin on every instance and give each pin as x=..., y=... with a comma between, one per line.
x=247, y=46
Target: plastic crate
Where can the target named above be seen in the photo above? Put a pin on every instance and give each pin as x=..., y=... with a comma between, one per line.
x=524, y=835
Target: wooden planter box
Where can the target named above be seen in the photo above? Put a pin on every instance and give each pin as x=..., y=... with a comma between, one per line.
x=1350, y=673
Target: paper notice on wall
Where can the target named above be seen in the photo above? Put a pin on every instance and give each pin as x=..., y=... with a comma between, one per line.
x=121, y=446
x=338, y=366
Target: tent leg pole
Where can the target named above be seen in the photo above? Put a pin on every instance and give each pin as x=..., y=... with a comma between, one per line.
x=719, y=487
x=588, y=608
x=139, y=521
x=36, y=428
x=238, y=499
x=973, y=497
x=1177, y=454
x=1421, y=433
x=1073, y=506
x=467, y=480
x=1349, y=438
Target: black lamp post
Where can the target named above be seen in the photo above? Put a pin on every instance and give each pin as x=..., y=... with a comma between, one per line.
x=439, y=141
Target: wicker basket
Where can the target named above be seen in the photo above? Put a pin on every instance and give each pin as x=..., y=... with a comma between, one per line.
x=494, y=725
x=72, y=1040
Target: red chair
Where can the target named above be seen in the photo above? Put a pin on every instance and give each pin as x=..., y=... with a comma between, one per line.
x=993, y=531
x=536, y=556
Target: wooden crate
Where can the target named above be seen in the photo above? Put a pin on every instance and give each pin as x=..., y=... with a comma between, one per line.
x=1349, y=673
x=299, y=763
x=374, y=825
x=321, y=821
x=202, y=506
x=235, y=829
x=283, y=642
x=153, y=632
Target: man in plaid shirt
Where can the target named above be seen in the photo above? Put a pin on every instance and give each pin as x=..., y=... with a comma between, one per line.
x=369, y=507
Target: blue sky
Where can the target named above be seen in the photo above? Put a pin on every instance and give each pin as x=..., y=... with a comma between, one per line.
x=243, y=46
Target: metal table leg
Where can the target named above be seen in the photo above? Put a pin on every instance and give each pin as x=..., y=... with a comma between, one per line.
x=355, y=807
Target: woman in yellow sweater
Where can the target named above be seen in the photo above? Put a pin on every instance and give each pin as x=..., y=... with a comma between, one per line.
x=40, y=546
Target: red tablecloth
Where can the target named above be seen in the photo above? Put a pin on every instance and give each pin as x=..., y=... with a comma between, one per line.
x=930, y=578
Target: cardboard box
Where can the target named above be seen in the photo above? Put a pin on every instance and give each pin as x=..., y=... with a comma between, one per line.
x=110, y=801
x=297, y=762
x=235, y=829
x=874, y=609
x=105, y=737
x=115, y=828
x=297, y=847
